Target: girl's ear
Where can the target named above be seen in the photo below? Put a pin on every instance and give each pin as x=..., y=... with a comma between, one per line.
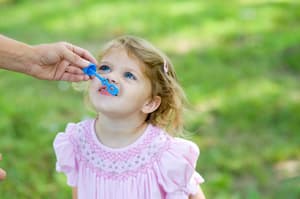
x=151, y=105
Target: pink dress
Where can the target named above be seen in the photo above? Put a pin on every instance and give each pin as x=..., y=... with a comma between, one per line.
x=155, y=166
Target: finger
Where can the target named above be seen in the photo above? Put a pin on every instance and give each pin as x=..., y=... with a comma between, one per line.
x=66, y=72
x=77, y=73
x=2, y=174
x=61, y=69
x=75, y=59
x=84, y=54
x=79, y=56
x=74, y=77
x=74, y=70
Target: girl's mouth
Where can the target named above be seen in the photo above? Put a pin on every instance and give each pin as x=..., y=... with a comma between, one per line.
x=103, y=91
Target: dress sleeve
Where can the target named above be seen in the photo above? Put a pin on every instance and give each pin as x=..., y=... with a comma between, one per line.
x=177, y=174
x=65, y=156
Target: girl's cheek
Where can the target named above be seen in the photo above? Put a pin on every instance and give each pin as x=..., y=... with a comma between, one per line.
x=95, y=82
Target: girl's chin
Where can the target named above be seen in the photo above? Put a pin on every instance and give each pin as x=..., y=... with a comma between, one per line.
x=109, y=113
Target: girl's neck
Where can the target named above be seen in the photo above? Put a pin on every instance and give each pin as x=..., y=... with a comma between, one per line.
x=118, y=133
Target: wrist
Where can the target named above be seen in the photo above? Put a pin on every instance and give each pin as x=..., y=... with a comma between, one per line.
x=15, y=55
x=29, y=59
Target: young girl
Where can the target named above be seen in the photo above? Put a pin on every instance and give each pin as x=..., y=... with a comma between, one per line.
x=129, y=151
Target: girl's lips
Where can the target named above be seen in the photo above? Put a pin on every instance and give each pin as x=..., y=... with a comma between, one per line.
x=103, y=91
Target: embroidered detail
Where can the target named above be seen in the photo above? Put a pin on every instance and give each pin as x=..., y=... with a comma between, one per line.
x=119, y=165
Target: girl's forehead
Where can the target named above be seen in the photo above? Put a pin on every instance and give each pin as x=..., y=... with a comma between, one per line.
x=118, y=52
x=120, y=55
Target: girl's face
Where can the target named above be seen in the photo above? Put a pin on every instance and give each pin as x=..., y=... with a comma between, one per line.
x=126, y=72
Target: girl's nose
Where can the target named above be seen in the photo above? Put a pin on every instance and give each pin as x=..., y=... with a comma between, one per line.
x=112, y=78
x=112, y=87
x=113, y=81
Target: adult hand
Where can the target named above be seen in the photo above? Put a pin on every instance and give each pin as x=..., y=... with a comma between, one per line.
x=56, y=61
x=2, y=172
x=60, y=61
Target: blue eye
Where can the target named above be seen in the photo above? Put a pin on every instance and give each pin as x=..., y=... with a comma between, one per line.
x=129, y=75
x=104, y=69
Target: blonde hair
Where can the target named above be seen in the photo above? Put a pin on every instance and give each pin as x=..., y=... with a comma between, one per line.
x=161, y=73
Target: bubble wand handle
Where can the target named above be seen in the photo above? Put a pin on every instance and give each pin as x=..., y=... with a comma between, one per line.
x=111, y=88
x=91, y=70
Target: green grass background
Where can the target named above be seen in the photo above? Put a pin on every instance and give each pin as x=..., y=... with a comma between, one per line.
x=237, y=60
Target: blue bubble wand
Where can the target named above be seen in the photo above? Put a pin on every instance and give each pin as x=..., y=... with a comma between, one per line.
x=91, y=70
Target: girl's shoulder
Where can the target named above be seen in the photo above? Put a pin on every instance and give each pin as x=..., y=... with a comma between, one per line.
x=177, y=145
x=81, y=125
x=176, y=167
x=73, y=133
x=175, y=150
x=184, y=146
x=65, y=147
x=74, y=129
x=180, y=151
